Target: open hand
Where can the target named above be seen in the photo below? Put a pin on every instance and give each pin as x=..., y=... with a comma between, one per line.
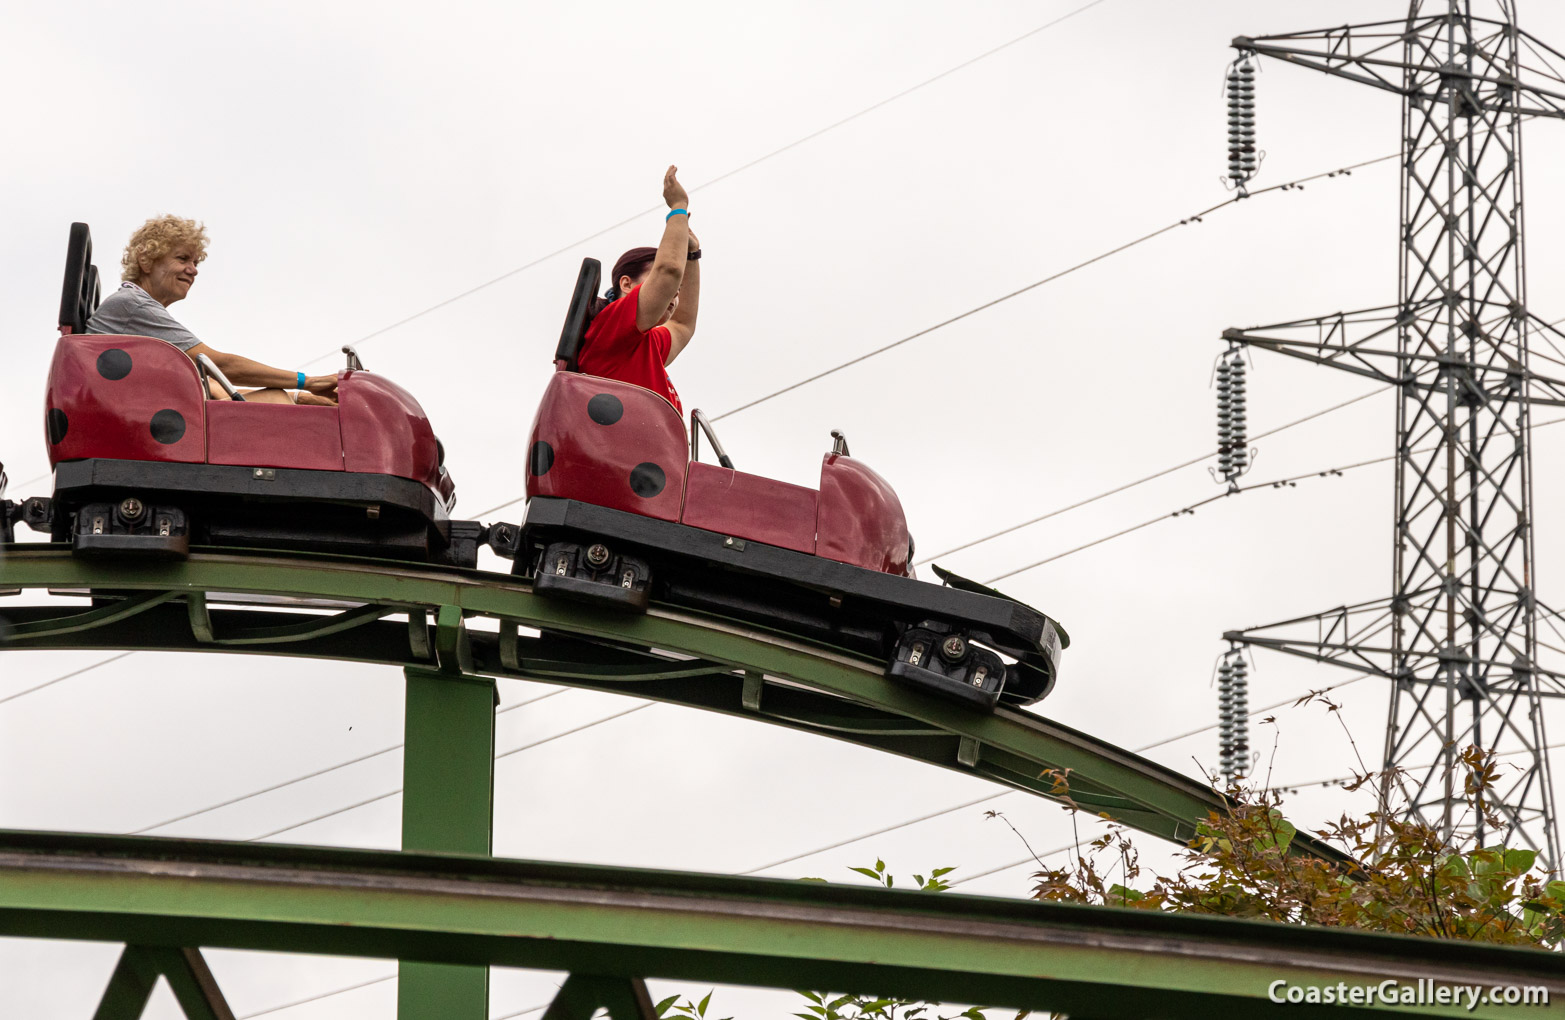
x=673, y=192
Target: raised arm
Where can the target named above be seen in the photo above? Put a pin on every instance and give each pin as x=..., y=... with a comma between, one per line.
x=682, y=324
x=668, y=267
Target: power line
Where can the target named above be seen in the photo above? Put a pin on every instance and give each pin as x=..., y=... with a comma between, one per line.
x=1193, y=507
x=320, y=772
x=1006, y=793
x=379, y=797
x=392, y=793
x=808, y=853
x=365, y=984
x=1058, y=850
x=721, y=177
x=1013, y=864
x=877, y=832
x=317, y=998
x=1193, y=218
x=1335, y=780
x=36, y=478
x=1142, y=481
x=65, y=676
x=523, y=1012
x=383, y=796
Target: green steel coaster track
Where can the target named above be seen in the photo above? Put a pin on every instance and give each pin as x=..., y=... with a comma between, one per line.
x=447, y=909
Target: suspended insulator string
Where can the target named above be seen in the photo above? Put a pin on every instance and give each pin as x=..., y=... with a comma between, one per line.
x=1241, y=717
x=707, y=184
x=1233, y=711
x=1225, y=734
x=1242, y=161
x=1233, y=438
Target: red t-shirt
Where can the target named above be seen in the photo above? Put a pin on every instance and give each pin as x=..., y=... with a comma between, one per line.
x=615, y=349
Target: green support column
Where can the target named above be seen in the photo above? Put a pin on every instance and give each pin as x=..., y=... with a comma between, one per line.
x=447, y=806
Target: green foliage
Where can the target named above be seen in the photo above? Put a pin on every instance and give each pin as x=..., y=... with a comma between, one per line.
x=1403, y=878
x=934, y=883
x=827, y=1006
x=684, y=1009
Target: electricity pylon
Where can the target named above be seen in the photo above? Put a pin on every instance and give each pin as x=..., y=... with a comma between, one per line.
x=1458, y=636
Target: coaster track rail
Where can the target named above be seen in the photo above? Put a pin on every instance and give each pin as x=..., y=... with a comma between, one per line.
x=678, y=657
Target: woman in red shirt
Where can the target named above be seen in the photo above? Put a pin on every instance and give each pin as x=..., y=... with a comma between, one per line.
x=648, y=314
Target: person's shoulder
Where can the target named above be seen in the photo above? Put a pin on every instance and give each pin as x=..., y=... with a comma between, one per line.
x=626, y=303
x=128, y=294
x=616, y=313
x=120, y=303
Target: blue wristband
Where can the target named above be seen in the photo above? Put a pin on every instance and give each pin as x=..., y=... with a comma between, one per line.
x=301, y=382
x=675, y=212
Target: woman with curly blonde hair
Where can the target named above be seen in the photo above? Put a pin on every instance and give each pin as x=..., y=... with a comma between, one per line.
x=159, y=268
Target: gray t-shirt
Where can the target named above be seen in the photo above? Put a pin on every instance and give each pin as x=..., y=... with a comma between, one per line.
x=131, y=311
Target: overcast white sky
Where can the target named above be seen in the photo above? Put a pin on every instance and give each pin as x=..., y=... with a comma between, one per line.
x=356, y=163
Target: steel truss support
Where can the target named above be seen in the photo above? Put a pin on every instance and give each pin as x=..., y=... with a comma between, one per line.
x=622, y=924
x=137, y=973
x=582, y=995
x=1457, y=638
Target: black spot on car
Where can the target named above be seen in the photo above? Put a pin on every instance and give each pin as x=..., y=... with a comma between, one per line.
x=540, y=458
x=114, y=364
x=168, y=426
x=647, y=480
x=58, y=425
x=605, y=409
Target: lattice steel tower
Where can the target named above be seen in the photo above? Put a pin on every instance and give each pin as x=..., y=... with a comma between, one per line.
x=1457, y=638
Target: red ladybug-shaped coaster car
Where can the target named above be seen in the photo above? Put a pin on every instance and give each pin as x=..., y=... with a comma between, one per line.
x=145, y=464
x=621, y=511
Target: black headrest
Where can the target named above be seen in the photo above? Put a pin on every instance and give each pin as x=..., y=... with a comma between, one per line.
x=579, y=313
x=79, y=296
